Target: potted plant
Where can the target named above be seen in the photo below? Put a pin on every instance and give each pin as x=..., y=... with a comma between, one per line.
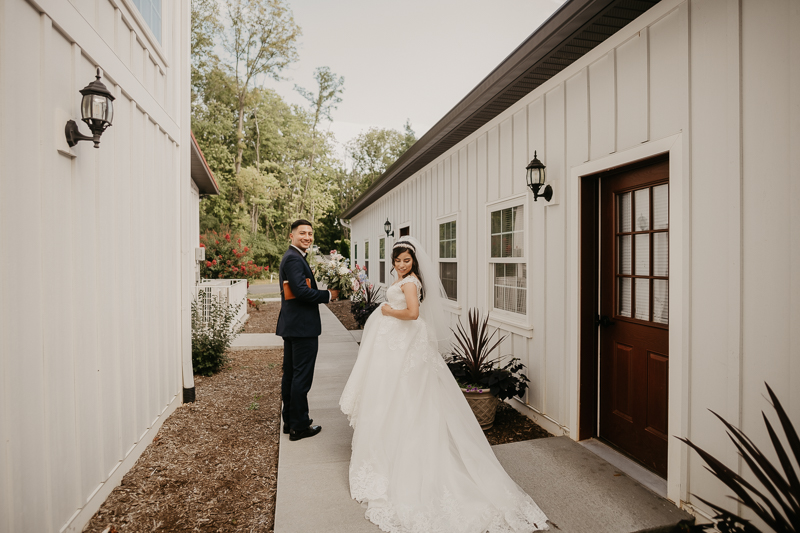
x=483, y=380
x=366, y=298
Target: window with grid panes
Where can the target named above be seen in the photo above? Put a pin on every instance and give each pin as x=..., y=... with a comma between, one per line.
x=448, y=267
x=366, y=258
x=642, y=263
x=382, y=259
x=151, y=13
x=508, y=268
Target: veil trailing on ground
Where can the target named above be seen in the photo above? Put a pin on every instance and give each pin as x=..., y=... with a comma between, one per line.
x=432, y=309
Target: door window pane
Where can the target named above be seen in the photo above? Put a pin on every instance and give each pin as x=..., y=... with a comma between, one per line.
x=660, y=254
x=642, y=251
x=641, y=202
x=642, y=291
x=625, y=296
x=661, y=301
x=661, y=207
x=625, y=212
x=625, y=254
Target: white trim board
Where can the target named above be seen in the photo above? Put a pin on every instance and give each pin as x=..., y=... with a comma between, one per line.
x=679, y=246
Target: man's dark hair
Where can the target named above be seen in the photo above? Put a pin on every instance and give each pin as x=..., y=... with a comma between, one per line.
x=300, y=222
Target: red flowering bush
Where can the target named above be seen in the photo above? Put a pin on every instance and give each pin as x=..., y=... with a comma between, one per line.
x=226, y=257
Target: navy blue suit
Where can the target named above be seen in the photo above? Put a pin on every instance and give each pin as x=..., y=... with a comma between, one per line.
x=300, y=327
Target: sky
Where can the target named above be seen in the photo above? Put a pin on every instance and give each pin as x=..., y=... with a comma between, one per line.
x=404, y=59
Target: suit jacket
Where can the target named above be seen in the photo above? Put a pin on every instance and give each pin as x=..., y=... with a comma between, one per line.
x=299, y=317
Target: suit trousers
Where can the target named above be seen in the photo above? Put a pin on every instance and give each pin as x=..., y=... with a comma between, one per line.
x=299, y=357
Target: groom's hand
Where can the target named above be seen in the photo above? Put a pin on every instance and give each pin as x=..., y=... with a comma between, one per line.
x=334, y=294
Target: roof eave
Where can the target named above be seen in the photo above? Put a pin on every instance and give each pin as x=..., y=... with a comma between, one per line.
x=563, y=25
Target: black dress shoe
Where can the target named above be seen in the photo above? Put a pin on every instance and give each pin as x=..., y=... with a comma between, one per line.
x=310, y=431
x=286, y=428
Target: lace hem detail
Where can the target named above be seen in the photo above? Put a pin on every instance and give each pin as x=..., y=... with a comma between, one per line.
x=445, y=515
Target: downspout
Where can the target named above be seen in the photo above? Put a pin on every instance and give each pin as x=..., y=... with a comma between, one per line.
x=187, y=276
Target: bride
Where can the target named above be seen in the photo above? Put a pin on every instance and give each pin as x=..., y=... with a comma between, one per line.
x=420, y=462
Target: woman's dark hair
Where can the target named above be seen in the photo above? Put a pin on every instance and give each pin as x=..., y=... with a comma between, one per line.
x=414, y=266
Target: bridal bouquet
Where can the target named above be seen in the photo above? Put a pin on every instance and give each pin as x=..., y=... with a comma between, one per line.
x=335, y=273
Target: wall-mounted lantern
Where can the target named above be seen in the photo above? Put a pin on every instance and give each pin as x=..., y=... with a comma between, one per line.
x=536, y=179
x=96, y=111
x=387, y=227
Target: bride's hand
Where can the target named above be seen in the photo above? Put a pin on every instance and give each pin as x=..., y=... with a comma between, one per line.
x=385, y=309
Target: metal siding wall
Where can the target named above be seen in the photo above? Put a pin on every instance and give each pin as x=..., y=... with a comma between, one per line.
x=482, y=222
x=506, y=163
x=79, y=224
x=538, y=360
x=602, y=100
x=632, y=91
x=577, y=110
x=770, y=212
x=493, y=164
x=669, y=84
x=715, y=287
x=616, y=99
x=555, y=266
x=468, y=246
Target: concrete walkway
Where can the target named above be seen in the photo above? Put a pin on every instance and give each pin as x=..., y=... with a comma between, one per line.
x=579, y=491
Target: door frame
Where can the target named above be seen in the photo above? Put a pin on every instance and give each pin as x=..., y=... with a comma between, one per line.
x=583, y=297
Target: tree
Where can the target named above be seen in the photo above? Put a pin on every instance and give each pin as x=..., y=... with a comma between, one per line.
x=260, y=39
x=322, y=103
x=205, y=31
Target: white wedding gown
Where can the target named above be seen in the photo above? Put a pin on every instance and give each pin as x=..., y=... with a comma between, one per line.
x=420, y=462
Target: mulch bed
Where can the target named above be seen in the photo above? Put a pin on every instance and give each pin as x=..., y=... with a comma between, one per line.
x=265, y=318
x=213, y=467
x=214, y=464
x=341, y=308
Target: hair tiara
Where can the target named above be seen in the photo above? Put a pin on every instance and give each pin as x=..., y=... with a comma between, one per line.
x=404, y=244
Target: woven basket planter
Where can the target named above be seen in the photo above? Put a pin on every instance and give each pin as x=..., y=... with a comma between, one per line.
x=484, y=405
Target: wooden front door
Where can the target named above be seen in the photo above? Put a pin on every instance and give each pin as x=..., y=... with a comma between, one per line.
x=634, y=321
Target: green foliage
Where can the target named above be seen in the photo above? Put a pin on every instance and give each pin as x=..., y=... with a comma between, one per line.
x=228, y=257
x=778, y=503
x=472, y=366
x=343, y=246
x=213, y=333
x=273, y=161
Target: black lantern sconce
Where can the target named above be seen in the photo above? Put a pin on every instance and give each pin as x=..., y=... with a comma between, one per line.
x=96, y=111
x=536, y=178
x=387, y=227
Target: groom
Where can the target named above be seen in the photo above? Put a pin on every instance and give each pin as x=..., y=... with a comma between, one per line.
x=300, y=327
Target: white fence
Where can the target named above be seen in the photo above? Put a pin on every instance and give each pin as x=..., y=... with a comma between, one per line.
x=228, y=291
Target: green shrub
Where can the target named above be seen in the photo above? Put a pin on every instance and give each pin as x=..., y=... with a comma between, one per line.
x=213, y=334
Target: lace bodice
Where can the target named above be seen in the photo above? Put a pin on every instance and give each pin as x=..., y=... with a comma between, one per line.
x=395, y=296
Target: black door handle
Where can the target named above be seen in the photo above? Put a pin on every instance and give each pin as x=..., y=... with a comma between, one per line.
x=604, y=320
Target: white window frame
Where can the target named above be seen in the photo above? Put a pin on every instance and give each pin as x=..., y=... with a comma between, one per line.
x=508, y=320
x=451, y=305
x=366, y=257
x=382, y=261
x=158, y=43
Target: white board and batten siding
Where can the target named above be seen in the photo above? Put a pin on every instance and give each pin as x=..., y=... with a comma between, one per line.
x=715, y=84
x=90, y=283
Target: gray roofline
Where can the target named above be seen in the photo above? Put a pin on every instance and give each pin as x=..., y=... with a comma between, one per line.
x=574, y=29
